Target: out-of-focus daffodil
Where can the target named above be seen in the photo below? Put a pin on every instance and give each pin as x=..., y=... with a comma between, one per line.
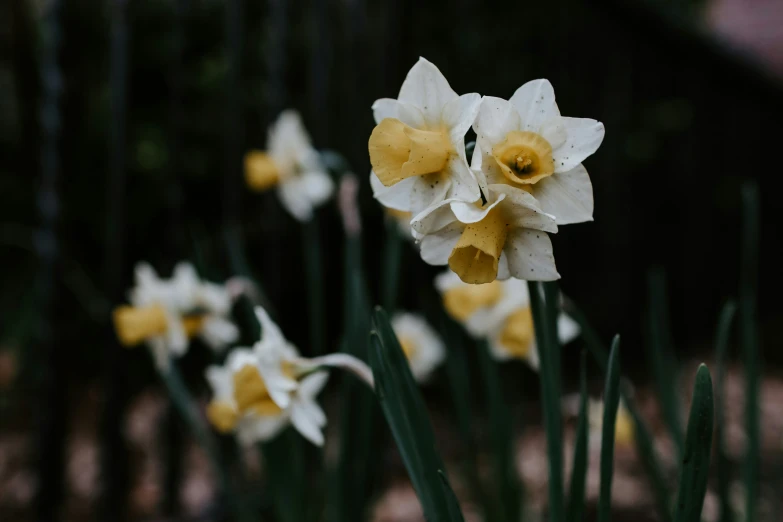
x=291, y=164
x=421, y=344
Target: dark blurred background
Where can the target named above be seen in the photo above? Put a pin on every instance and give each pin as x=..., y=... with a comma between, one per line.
x=123, y=124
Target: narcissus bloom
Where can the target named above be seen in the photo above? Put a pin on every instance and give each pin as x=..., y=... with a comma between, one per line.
x=525, y=143
x=166, y=314
x=504, y=237
x=260, y=391
x=291, y=164
x=417, y=150
x=421, y=344
x=500, y=312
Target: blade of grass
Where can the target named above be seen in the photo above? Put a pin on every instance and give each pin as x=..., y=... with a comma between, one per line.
x=507, y=481
x=750, y=348
x=698, y=444
x=721, y=347
x=611, y=403
x=642, y=436
x=660, y=356
x=459, y=384
x=409, y=423
x=576, y=496
x=550, y=399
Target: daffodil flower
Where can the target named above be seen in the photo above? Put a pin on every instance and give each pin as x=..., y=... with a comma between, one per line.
x=504, y=237
x=525, y=143
x=166, y=314
x=291, y=164
x=417, y=149
x=420, y=343
x=500, y=312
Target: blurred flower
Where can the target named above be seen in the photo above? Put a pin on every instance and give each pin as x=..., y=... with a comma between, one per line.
x=505, y=237
x=259, y=391
x=623, y=428
x=525, y=143
x=421, y=344
x=292, y=165
x=417, y=149
x=500, y=312
x=167, y=313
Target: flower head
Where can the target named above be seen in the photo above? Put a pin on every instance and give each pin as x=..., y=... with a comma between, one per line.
x=525, y=143
x=260, y=391
x=166, y=314
x=417, y=149
x=292, y=165
x=504, y=237
x=500, y=312
x=420, y=343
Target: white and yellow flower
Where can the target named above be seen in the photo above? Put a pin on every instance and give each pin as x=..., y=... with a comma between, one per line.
x=260, y=391
x=291, y=164
x=166, y=314
x=623, y=428
x=525, y=143
x=500, y=312
x=417, y=149
x=505, y=237
x=421, y=344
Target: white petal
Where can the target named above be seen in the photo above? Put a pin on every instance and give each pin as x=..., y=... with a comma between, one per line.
x=535, y=103
x=583, y=138
x=220, y=379
x=318, y=186
x=305, y=425
x=459, y=115
x=522, y=210
x=554, y=131
x=176, y=339
x=503, y=272
x=218, y=332
x=464, y=186
x=567, y=328
x=253, y=429
x=384, y=108
x=160, y=353
x=436, y=247
x=405, y=112
x=447, y=280
x=496, y=118
x=287, y=138
x=427, y=88
x=428, y=190
x=433, y=218
x=470, y=213
x=397, y=197
x=530, y=255
x=313, y=411
x=270, y=332
x=312, y=385
x=295, y=201
x=568, y=196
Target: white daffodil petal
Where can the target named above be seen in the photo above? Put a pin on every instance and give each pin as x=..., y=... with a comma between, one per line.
x=433, y=218
x=427, y=88
x=313, y=412
x=464, y=185
x=294, y=201
x=253, y=429
x=160, y=353
x=567, y=329
x=459, y=115
x=583, y=137
x=521, y=209
x=318, y=186
x=218, y=332
x=470, y=213
x=447, y=280
x=287, y=139
x=397, y=197
x=535, y=103
x=269, y=330
x=384, y=108
x=305, y=425
x=428, y=189
x=436, y=247
x=496, y=118
x=554, y=131
x=568, y=196
x=221, y=382
x=503, y=272
x=312, y=385
x=530, y=255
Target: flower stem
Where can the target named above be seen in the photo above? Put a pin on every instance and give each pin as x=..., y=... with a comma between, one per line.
x=311, y=248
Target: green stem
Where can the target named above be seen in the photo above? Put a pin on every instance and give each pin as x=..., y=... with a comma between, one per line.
x=721, y=347
x=311, y=249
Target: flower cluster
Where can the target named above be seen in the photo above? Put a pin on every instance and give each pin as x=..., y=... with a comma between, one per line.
x=260, y=390
x=167, y=313
x=489, y=220
x=499, y=312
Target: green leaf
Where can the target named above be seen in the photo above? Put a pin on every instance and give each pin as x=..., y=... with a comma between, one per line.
x=698, y=444
x=611, y=403
x=507, y=482
x=311, y=249
x=642, y=436
x=749, y=339
x=721, y=347
x=550, y=395
x=659, y=351
x=576, y=496
x=408, y=420
x=392, y=255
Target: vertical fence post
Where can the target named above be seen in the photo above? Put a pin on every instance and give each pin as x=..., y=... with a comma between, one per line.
x=114, y=458
x=51, y=465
